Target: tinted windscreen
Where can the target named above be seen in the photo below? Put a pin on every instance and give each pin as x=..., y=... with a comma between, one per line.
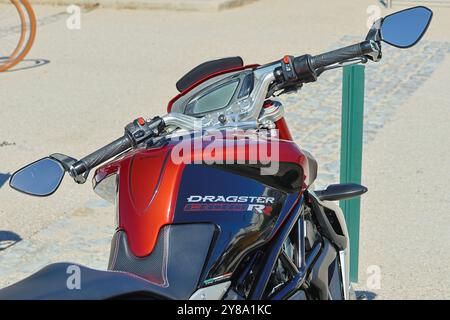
x=214, y=100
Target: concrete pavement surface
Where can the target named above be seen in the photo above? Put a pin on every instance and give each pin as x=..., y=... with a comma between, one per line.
x=78, y=88
x=179, y=5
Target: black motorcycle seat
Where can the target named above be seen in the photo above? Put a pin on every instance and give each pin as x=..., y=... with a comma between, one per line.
x=57, y=282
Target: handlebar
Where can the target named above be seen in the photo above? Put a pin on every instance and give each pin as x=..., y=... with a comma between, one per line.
x=301, y=69
x=295, y=71
x=350, y=52
x=336, y=56
x=136, y=132
x=307, y=68
x=101, y=155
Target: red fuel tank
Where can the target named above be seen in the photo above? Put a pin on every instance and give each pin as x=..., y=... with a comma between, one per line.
x=149, y=179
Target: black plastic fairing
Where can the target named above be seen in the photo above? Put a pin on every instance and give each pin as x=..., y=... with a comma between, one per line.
x=320, y=274
x=247, y=211
x=289, y=177
x=206, y=69
x=176, y=263
x=329, y=223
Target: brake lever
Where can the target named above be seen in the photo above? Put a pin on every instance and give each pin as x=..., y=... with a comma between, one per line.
x=345, y=63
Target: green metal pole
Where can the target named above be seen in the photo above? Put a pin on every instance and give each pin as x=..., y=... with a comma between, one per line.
x=351, y=153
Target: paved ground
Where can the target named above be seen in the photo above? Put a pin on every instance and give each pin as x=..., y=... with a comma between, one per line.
x=180, y=5
x=406, y=225
x=122, y=64
x=419, y=2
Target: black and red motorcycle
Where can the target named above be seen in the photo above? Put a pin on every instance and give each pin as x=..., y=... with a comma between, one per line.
x=213, y=199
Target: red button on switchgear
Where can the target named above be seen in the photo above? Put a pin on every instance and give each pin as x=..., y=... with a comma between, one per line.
x=141, y=121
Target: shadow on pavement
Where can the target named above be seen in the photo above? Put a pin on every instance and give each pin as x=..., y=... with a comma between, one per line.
x=7, y=239
x=29, y=64
x=365, y=295
x=3, y=178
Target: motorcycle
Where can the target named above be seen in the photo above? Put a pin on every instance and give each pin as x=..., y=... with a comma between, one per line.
x=202, y=212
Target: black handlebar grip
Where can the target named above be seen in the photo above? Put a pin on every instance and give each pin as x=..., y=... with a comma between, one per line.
x=98, y=157
x=336, y=56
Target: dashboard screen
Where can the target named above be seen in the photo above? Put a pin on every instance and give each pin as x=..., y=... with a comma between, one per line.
x=216, y=99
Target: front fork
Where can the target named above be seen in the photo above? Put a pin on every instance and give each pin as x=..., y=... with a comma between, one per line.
x=334, y=228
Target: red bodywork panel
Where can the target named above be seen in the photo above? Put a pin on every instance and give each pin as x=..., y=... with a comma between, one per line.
x=283, y=130
x=149, y=182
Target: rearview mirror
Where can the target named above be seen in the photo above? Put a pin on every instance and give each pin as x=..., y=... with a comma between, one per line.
x=41, y=178
x=405, y=28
